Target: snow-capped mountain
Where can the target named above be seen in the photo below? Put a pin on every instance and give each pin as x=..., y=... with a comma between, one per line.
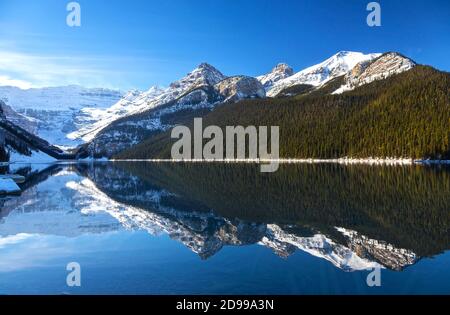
x=57, y=111
x=132, y=102
x=37, y=211
x=20, y=144
x=203, y=88
x=72, y=115
x=280, y=72
x=380, y=68
x=284, y=244
x=335, y=66
x=135, y=102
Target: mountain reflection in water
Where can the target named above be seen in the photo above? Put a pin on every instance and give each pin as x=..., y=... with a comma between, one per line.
x=355, y=217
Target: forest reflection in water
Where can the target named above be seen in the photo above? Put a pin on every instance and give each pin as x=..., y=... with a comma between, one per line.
x=356, y=217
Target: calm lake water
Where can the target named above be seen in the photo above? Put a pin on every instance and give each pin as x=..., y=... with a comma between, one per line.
x=147, y=228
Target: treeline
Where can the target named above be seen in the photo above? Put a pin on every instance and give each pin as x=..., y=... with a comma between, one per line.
x=407, y=115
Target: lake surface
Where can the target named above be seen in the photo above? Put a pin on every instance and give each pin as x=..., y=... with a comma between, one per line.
x=149, y=228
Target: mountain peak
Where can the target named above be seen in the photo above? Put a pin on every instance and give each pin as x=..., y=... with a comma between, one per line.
x=350, y=58
x=283, y=68
x=279, y=72
x=206, y=66
x=204, y=74
x=344, y=53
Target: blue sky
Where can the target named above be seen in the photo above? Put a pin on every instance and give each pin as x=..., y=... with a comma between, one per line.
x=137, y=44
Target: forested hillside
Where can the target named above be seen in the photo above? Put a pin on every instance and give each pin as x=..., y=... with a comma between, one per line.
x=406, y=115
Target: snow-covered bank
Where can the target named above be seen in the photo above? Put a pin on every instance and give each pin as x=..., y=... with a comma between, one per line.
x=35, y=157
x=346, y=161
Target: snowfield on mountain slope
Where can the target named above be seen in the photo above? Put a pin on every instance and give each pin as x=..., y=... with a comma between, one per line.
x=133, y=102
x=52, y=113
x=58, y=98
x=335, y=66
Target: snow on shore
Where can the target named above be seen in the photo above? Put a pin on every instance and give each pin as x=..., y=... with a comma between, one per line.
x=368, y=161
x=36, y=157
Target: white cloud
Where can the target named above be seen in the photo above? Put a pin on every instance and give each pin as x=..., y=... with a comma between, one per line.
x=28, y=70
x=16, y=251
x=7, y=81
x=13, y=239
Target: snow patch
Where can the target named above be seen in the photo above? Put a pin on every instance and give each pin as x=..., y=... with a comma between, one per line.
x=36, y=157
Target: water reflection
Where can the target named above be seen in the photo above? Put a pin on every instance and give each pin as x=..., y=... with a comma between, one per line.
x=354, y=217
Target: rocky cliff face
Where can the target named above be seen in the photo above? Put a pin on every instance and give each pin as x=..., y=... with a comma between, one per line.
x=27, y=123
x=240, y=87
x=379, y=251
x=380, y=68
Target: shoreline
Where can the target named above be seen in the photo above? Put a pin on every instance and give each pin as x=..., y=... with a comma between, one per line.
x=345, y=161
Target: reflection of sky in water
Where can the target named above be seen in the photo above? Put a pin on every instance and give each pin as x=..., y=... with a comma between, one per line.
x=135, y=262
x=124, y=249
